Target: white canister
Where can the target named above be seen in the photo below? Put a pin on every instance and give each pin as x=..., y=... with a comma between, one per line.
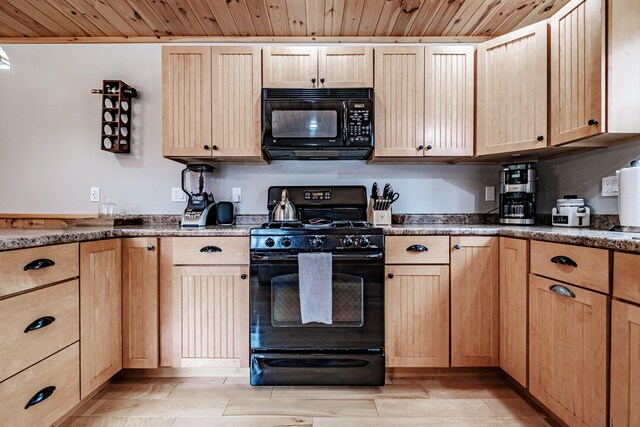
x=629, y=195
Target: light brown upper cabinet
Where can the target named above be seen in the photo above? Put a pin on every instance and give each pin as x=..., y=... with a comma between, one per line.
x=211, y=101
x=317, y=67
x=424, y=102
x=512, y=92
x=594, y=64
x=474, y=301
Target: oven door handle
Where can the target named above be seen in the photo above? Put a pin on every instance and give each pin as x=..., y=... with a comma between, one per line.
x=291, y=257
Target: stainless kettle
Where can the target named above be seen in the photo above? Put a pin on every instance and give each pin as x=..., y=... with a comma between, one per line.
x=284, y=210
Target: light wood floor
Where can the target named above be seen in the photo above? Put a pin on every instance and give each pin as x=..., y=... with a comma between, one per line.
x=231, y=402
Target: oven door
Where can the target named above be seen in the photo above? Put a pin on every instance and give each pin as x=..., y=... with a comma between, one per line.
x=304, y=123
x=358, y=305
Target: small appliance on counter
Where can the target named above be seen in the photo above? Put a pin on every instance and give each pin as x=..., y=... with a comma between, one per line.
x=225, y=213
x=629, y=195
x=518, y=187
x=197, y=182
x=570, y=212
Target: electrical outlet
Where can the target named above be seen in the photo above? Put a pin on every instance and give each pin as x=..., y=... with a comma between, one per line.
x=95, y=194
x=489, y=194
x=237, y=194
x=177, y=195
x=609, y=186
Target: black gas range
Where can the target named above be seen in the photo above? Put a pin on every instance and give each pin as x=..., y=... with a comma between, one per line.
x=350, y=350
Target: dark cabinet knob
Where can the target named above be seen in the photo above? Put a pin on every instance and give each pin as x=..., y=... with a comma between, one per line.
x=150, y=247
x=39, y=323
x=429, y=147
x=322, y=80
x=564, y=260
x=420, y=147
x=313, y=80
x=40, y=396
x=39, y=263
x=390, y=276
x=592, y=122
x=417, y=248
x=540, y=138
x=210, y=249
x=243, y=276
x=214, y=147
x=206, y=147
x=457, y=246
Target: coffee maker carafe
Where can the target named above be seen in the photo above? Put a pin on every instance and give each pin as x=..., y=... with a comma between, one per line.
x=197, y=182
x=518, y=187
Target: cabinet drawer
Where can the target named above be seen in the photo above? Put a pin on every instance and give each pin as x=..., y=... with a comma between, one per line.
x=52, y=316
x=60, y=371
x=210, y=250
x=417, y=250
x=24, y=269
x=626, y=280
x=578, y=265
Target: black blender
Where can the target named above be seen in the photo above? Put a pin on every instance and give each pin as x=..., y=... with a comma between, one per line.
x=197, y=182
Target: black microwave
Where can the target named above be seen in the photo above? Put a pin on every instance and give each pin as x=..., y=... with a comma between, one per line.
x=317, y=124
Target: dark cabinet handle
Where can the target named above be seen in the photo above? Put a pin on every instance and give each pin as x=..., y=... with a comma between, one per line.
x=206, y=147
x=562, y=290
x=39, y=263
x=420, y=147
x=540, y=138
x=210, y=249
x=592, y=122
x=390, y=276
x=563, y=260
x=429, y=147
x=313, y=80
x=39, y=323
x=40, y=396
x=150, y=247
x=417, y=248
x=457, y=246
x=243, y=276
x=322, y=80
x=214, y=147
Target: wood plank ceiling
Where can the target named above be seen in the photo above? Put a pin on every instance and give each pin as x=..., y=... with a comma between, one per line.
x=171, y=19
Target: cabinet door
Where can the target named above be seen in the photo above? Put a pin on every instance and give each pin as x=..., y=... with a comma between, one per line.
x=514, y=276
x=568, y=351
x=576, y=71
x=100, y=313
x=292, y=67
x=140, y=302
x=399, y=103
x=210, y=307
x=186, y=101
x=449, y=95
x=345, y=66
x=474, y=301
x=417, y=316
x=625, y=365
x=512, y=92
x=236, y=101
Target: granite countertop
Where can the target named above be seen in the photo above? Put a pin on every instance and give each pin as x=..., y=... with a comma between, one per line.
x=24, y=238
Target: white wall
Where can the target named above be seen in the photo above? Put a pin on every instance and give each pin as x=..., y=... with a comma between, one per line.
x=50, y=156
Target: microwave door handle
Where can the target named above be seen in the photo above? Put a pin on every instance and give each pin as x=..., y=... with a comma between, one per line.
x=345, y=127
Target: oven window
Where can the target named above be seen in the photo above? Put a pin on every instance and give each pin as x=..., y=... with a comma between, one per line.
x=347, y=296
x=304, y=123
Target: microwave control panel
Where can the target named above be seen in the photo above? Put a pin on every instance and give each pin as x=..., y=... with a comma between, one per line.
x=359, y=122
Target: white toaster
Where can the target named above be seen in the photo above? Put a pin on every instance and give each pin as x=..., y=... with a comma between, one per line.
x=571, y=212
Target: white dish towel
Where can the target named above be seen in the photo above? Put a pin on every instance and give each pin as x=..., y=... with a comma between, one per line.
x=315, y=272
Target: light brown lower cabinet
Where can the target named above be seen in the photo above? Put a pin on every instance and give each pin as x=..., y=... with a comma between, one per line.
x=474, y=301
x=568, y=351
x=210, y=316
x=100, y=313
x=514, y=278
x=625, y=365
x=140, y=303
x=417, y=316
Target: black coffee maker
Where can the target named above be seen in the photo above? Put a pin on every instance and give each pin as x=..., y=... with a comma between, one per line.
x=197, y=182
x=518, y=187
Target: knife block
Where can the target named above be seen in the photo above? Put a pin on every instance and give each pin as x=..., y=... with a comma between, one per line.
x=378, y=217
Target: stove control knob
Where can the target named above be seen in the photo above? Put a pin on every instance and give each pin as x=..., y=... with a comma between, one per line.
x=347, y=242
x=364, y=242
x=286, y=242
x=269, y=242
x=317, y=242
